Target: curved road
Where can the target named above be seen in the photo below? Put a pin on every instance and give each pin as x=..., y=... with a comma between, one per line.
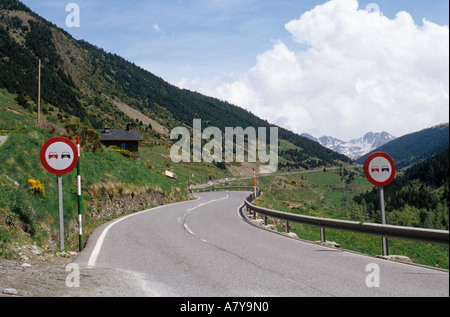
x=204, y=248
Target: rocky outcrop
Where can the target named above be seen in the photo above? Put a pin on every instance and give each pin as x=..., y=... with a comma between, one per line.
x=114, y=200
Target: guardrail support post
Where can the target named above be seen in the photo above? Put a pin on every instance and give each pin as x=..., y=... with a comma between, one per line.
x=286, y=226
x=323, y=237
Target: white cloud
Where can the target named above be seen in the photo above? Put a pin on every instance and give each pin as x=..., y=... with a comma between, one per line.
x=359, y=72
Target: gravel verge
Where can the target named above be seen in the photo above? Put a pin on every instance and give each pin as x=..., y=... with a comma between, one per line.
x=49, y=279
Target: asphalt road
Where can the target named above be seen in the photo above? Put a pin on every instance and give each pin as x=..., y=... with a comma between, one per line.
x=204, y=248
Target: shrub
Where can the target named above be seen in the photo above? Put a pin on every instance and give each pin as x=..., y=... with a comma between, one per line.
x=90, y=139
x=36, y=187
x=125, y=153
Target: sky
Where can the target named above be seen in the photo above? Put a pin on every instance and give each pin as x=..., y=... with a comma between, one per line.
x=340, y=68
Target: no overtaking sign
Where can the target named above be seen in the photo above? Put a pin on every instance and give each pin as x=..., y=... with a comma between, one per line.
x=380, y=169
x=59, y=155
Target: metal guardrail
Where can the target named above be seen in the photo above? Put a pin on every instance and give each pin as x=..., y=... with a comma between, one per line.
x=249, y=188
x=388, y=231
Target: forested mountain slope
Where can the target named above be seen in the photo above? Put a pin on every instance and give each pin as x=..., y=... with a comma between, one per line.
x=415, y=147
x=89, y=83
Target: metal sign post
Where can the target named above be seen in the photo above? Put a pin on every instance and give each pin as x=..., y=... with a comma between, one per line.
x=61, y=213
x=380, y=171
x=383, y=222
x=59, y=156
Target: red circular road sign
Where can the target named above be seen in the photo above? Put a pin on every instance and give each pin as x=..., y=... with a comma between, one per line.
x=379, y=169
x=59, y=155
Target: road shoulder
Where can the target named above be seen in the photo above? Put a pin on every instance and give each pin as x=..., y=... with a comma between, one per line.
x=53, y=279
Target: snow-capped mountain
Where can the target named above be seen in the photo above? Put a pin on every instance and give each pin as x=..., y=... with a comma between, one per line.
x=354, y=148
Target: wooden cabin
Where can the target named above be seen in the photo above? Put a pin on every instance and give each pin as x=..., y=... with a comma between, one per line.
x=127, y=139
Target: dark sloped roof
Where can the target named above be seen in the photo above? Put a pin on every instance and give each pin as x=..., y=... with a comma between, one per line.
x=119, y=135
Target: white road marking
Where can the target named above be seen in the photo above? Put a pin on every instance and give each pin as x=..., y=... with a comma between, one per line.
x=99, y=244
x=193, y=208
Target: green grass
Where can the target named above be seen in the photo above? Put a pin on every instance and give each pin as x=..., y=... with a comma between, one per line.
x=159, y=158
x=12, y=116
x=37, y=216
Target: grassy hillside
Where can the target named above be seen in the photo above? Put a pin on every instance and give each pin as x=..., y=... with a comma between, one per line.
x=109, y=181
x=33, y=214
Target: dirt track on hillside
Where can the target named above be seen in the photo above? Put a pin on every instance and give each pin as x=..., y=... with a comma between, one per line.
x=3, y=139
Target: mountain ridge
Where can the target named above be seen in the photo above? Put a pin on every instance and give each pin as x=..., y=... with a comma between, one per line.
x=354, y=148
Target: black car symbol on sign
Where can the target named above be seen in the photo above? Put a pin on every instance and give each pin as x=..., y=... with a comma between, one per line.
x=384, y=169
x=65, y=155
